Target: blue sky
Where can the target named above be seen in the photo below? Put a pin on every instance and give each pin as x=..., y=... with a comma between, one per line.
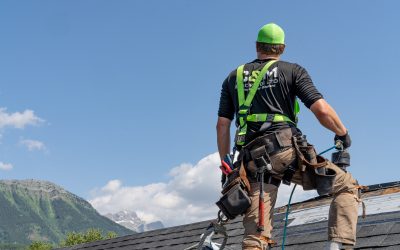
x=128, y=90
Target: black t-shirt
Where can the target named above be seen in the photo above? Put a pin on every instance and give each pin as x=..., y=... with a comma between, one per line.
x=276, y=94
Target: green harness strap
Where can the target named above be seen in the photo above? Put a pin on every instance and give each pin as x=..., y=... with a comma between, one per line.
x=244, y=104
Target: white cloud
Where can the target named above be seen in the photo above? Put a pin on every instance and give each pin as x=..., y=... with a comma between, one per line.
x=188, y=196
x=18, y=119
x=33, y=145
x=6, y=166
x=112, y=186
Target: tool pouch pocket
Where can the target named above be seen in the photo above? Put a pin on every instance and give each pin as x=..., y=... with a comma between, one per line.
x=234, y=202
x=235, y=198
x=308, y=179
x=308, y=174
x=324, y=180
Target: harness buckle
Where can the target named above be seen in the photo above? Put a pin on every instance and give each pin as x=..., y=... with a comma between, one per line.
x=240, y=137
x=270, y=118
x=268, y=122
x=243, y=111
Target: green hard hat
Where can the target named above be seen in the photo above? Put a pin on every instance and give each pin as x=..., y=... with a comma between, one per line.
x=272, y=34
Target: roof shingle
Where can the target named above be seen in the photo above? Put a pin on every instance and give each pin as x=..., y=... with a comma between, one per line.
x=380, y=230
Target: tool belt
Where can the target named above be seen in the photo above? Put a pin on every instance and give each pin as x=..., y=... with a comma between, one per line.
x=235, y=198
x=312, y=166
x=273, y=142
x=261, y=149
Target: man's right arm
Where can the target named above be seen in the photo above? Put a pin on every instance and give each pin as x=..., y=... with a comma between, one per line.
x=313, y=100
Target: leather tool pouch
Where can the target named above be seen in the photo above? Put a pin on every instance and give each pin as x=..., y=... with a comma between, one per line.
x=314, y=173
x=308, y=176
x=235, y=198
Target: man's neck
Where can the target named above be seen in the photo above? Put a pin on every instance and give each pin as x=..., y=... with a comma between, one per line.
x=265, y=57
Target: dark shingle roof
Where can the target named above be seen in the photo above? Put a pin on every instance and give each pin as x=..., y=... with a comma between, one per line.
x=379, y=230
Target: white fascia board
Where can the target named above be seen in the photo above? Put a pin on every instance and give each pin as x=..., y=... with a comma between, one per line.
x=374, y=205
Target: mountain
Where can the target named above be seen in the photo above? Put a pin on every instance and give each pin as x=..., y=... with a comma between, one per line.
x=40, y=210
x=129, y=219
x=150, y=226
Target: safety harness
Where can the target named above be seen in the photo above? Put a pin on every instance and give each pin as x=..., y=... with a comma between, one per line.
x=244, y=115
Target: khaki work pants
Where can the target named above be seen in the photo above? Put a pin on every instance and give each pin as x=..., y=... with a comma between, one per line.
x=343, y=212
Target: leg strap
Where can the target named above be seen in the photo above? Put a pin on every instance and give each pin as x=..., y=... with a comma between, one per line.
x=357, y=196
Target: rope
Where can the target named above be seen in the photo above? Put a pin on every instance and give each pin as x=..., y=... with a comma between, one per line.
x=286, y=217
x=290, y=200
x=329, y=149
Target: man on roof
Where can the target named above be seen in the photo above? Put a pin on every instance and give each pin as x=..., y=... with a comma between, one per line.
x=262, y=95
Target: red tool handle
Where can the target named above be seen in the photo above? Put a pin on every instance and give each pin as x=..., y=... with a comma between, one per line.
x=226, y=167
x=223, y=170
x=261, y=215
x=261, y=206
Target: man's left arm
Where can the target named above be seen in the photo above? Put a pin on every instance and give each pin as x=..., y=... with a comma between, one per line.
x=226, y=113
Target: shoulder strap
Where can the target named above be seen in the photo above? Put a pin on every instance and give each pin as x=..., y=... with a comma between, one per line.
x=296, y=110
x=244, y=103
x=240, y=85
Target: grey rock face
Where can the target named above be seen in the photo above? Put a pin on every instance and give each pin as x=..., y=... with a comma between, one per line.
x=130, y=220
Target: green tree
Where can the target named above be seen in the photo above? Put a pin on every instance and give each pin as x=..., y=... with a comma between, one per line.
x=111, y=235
x=40, y=245
x=74, y=238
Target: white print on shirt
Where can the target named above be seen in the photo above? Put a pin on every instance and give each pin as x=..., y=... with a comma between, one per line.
x=269, y=80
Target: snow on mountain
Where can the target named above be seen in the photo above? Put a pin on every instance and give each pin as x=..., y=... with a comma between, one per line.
x=130, y=220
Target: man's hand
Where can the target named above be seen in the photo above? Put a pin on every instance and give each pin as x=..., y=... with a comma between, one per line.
x=223, y=140
x=345, y=139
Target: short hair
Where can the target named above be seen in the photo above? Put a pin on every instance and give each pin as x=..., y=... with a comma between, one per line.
x=270, y=49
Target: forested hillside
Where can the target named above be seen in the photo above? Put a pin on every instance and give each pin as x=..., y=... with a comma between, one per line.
x=39, y=210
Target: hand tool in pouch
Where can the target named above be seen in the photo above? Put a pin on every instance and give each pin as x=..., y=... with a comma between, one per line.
x=260, y=172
